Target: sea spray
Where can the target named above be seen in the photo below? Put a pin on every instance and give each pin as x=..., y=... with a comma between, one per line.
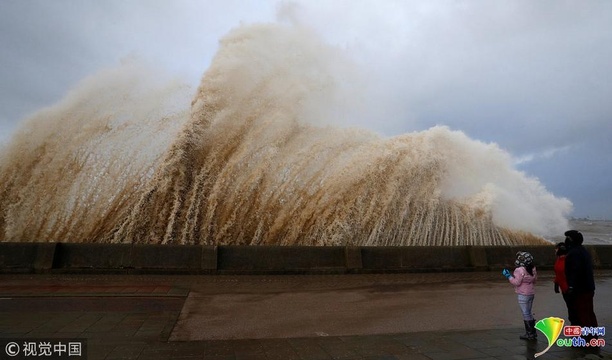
x=252, y=162
x=73, y=170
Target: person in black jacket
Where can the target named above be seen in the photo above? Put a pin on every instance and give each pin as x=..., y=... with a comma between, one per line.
x=580, y=280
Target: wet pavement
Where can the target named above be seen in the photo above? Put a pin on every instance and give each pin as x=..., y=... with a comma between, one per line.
x=454, y=315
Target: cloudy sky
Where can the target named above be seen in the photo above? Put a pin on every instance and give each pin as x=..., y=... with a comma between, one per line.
x=535, y=77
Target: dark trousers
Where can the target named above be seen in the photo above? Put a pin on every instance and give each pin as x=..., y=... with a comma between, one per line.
x=583, y=304
x=571, y=309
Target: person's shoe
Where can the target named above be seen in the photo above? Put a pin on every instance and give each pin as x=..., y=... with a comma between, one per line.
x=530, y=331
x=526, y=335
x=534, y=333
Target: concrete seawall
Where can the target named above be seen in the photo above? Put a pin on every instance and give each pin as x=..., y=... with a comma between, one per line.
x=196, y=259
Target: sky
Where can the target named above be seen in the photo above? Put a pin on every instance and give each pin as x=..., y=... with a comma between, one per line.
x=533, y=77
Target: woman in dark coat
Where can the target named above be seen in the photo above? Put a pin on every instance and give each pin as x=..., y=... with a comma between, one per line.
x=580, y=280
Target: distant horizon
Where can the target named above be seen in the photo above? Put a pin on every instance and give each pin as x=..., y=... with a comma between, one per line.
x=587, y=218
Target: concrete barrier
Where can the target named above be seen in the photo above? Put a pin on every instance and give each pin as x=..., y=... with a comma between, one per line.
x=196, y=259
x=26, y=257
x=167, y=257
x=415, y=258
x=134, y=258
x=602, y=255
x=281, y=259
x=92, y=256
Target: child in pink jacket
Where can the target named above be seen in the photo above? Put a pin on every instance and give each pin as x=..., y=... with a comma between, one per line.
x=524, y=279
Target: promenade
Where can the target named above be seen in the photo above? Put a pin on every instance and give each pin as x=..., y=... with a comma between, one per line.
x=447, y=315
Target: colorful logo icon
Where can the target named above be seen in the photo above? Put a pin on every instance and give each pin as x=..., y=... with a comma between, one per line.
x=551, y=327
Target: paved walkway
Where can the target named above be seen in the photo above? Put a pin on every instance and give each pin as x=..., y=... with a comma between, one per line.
x=383, y=317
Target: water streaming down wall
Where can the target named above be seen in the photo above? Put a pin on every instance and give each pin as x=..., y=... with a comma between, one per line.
x=251, y=163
